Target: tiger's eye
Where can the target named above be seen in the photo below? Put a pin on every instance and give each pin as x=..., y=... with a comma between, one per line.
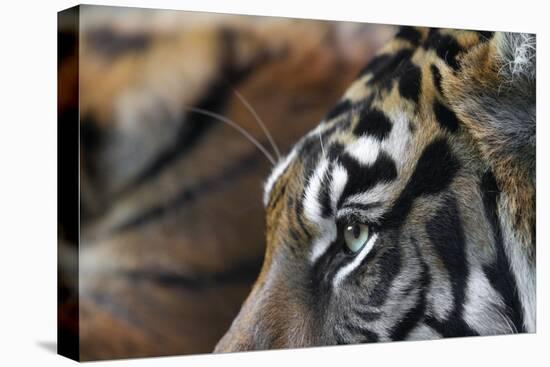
x=355, y=236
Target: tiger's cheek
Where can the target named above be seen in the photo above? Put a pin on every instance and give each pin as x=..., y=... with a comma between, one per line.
x=276, y=314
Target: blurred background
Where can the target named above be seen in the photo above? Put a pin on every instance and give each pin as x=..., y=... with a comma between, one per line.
x=171, y=216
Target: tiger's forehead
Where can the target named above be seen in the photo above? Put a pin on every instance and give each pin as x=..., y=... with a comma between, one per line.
x=364, y=143
x=374, y=132
x=393, y=109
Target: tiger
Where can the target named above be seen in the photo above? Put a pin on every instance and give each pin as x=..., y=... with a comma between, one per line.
x=408, y=212
x=171, y=220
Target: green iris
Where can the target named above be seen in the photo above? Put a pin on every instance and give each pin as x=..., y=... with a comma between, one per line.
x=355, y=236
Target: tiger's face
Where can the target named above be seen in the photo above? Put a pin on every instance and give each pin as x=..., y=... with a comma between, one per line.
x=162, y=186
x=388, y=221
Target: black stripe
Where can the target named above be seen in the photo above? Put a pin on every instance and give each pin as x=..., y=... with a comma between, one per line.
x=389, y=263
x=398, y=67
x=386, y=71
x=485, y=36
x=445, y=232
x=410, y=82
x=410, y=320
x=383, y=65
x=310, y=150
x=375, y=65
x=340, y=108
x=409, y=34
x=436, y=75
x=339, y=338
x=194, y=126
x=416, y=313
x=374, y=123
x=67, y=42
x=324, y=195
x=446, y=47
x=499, y=273
x=92, y=138
x=112, y=44
x=367, y=316
x=450, y=328
x=294, y=235
x=68, y=188
x=366, y=335
x=322, y=272
x=434, y=172
x=192, y=193
x=335, y=150
x=241, y=273
x=445, y=117
x=365, y=177
x=278, y=194
x=309, y=155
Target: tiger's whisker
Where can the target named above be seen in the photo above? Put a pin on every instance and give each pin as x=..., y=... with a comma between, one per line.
x=259, y=121
x=322, y=147
x=234, y=125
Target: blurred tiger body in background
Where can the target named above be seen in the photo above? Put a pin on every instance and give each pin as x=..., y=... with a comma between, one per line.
x=172, y=224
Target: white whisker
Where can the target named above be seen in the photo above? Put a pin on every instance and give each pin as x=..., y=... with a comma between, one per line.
x=234, y=125
x=511, y=327
x=259, y=121
x=321, y=140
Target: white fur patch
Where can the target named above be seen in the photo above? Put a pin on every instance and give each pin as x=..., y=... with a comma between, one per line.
x=339, y=180
x=365, y=149
x=397, y=144
x=423, y=332
x=524, y=273
x=328, y=225
x=440, y=297
x=481, y=309
x=517, y=52
x=313, y=212
x=312, y=207
x=379, y=193
x=321, y=244
x=276, y=172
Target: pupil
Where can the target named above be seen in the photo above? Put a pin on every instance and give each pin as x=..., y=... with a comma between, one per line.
x=356, y=231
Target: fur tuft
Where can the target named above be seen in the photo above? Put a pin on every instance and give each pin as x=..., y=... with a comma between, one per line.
x=513, y=109
x=517, y=52
x=495, y=95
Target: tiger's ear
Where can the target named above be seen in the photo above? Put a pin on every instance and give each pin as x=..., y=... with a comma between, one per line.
x=494, y=94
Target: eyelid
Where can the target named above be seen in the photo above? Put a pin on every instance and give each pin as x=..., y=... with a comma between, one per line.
x=361, y=206
x=361, y=213
x=351, y=219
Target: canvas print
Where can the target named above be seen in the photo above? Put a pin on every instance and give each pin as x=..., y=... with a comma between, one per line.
x=234, y=183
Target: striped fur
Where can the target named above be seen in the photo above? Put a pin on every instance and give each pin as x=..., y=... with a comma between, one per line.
x=171, y=225
x=415, y=150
